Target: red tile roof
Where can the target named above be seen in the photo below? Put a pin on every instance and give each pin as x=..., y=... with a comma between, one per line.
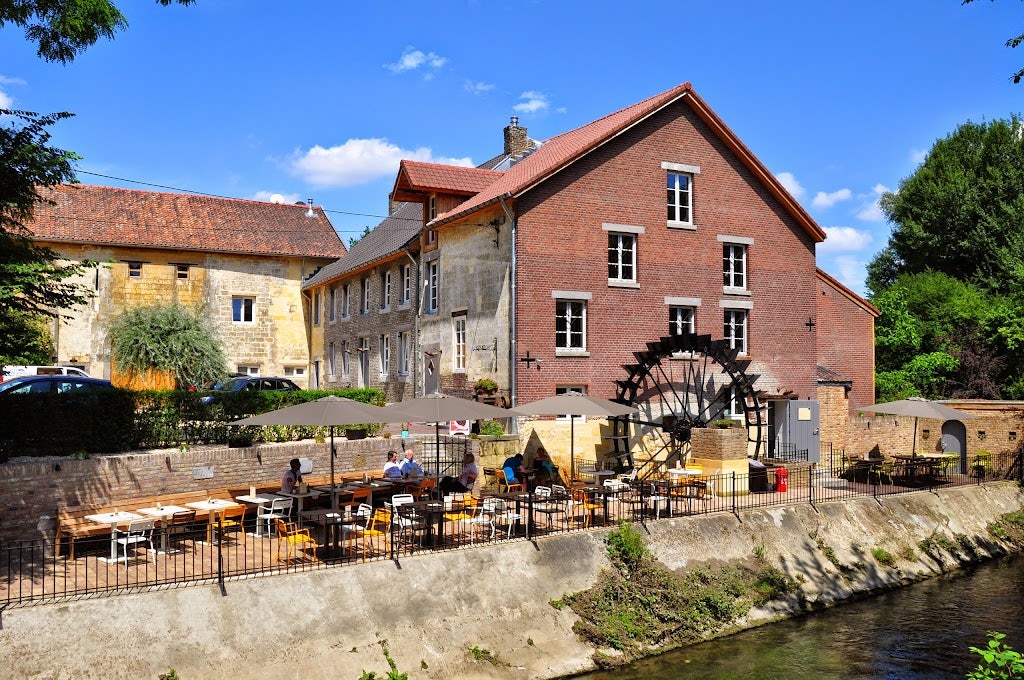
x=444, y=178
x=148, y=219
x=559, y=152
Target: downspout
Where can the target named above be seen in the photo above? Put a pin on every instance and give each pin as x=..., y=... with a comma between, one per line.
x=415, y=344
x=307, y=321
x=512, y=305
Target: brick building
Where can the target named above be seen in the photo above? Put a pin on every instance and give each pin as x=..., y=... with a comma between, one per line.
x=547, y=269
x=240, y=262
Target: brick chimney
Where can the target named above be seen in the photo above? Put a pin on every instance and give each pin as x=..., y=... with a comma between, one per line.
x=516, y=140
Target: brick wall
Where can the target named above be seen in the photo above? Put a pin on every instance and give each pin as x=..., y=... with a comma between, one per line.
x=846, y=339
x=562, y=246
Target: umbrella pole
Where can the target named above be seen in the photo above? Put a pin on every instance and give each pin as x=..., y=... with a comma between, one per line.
x=334, y=493
x=572, y=449
x=913, y=448
x=437, y=450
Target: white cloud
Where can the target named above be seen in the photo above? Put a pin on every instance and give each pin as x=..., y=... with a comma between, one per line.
x=917, y=156
x=534, y=102
x=851, y=272
x=844, y=239
x=823, y=200
x=6, y=100
x=359, y=161
x=792, y=185
x=276, y=197
x=477, y=87
x=413, y=59
x=872, y=212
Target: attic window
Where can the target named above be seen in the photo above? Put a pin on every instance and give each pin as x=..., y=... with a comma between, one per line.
x=181, y=271
x=432, y=236
x=432, y=208
x=135, y=270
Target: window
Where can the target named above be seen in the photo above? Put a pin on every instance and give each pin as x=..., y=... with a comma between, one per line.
x=249, y=370
x=332, y=305
x=734, y=266
x=316, y=308
x=432, y=274
x=406, y=294
x=363, y=365
x=571, y=325
x=404, y=350
x=181, y=271
x=681, y=321
x=242, y=309
x=385, y=355
x=621, y=258
x=346, y=351
x=459, y=337
x=733, y=405
x=680, y=197
x=364, y=296
x=385, y=290
x=135, y=270
x=295, y=371
x=331, y=360
x=736, y=329
x=432, y=210
x=346, y=296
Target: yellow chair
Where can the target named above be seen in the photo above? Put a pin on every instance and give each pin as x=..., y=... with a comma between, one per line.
x=291, y=535
x=229, y=520
x=377, y=526
x=504, y=486
x=584, y=501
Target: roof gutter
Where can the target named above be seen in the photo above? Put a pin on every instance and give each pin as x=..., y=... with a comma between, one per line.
x=512, y=305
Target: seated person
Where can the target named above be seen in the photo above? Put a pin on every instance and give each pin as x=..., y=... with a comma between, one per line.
x=410, y=467
x=392, y=470
x=465, y=481
x=292, y=476
x=543, y=466
x=514, y=469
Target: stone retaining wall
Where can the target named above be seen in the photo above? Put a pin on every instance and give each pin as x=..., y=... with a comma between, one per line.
x=436, y=607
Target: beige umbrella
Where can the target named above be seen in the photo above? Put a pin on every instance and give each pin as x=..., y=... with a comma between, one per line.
x=918, y=407
x=574, y=404
x=324, y=412
x=440, y=408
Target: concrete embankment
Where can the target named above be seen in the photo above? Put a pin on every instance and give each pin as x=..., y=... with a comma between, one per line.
x=436, y=607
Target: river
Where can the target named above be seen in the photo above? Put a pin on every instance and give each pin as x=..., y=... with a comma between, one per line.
x=921, y=631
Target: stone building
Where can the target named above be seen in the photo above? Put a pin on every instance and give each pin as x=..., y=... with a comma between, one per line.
x=241, y=263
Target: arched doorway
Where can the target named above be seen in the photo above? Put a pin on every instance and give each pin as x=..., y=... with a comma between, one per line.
x=954, y=440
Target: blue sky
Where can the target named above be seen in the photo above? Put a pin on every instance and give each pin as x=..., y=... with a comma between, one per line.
x=246, y=98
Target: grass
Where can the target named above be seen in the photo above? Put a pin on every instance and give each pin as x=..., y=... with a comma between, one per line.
x=480, y=654
x=883, y=557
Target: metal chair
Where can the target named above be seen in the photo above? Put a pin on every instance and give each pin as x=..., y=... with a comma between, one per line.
x=267, y=516
x=139, y=532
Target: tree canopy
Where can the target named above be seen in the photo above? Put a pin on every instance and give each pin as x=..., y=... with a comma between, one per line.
x=62, y=29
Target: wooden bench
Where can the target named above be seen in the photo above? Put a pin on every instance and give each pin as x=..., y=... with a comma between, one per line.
x=72, y=523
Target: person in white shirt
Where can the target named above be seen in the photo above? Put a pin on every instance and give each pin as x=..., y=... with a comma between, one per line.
x=392, y=470
x=292, y=477
x=465, y=480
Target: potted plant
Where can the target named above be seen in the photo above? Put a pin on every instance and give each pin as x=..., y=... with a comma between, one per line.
x=485, y=386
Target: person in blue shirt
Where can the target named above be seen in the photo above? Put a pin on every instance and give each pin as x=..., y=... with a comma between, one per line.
x=410, y=467
x=513, y=466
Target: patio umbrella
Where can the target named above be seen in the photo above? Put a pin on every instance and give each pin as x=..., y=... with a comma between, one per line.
x=919, y=408
x=324, y=412
x=440, y=408
x=574, y=404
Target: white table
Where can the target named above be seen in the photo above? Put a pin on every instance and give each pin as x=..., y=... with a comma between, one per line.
x=163, y=512
x=211, y=506
x=300, y=497
x=113, y=519
x=678, y=473
x=258, y=500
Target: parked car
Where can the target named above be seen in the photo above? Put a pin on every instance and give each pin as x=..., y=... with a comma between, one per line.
x=10, y=372
x=53, y=384
x=250, y=383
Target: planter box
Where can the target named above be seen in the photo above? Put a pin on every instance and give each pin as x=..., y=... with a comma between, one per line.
x=355, y=434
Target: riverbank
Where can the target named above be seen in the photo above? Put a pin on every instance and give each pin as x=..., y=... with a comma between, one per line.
x=437, y=608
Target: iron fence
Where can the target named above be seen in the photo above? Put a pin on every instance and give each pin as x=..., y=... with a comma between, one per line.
x=31, y=574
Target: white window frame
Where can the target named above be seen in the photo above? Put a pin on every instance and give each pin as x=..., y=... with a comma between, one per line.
x=364, y=296
x=295, y=371
x=733, y=407
x=570, y=306
x=385, y=290
x=243, y=309
x=362, y=379
x=404, y=352
x=346, y=353
x=406, y=293
x=248, y=369
x=433, y=289
x=736, y=319
x=734, y=267
x=317, y=296
x=384, y=357
x=346, y=299
x=460, y=354
x=332, y=313
x=332, y=360
x=678, y=200
x=565, y=389
x=677, y=324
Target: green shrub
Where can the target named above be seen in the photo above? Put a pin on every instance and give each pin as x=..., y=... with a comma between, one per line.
x=491, y=428
x=626, y=544
x=883, y=557
x=997, y=660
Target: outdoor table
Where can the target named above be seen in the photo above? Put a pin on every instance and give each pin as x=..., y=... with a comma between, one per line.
x=682, y=473
x=258, y=500
x=300, y=497
x=330, y=525
x=211, y=505
x=113, y=519
x=164, y=512
x=920, y=464
x=379, y=485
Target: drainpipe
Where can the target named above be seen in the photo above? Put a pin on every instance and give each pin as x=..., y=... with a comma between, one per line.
x=512, y=305
x=308, y=323
x=415, y=344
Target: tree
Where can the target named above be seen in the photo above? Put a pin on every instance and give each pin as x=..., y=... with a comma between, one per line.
x=167, y=338
x=24, y=339
x=960, y=212
x=1011, y=43
x=63, y=29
